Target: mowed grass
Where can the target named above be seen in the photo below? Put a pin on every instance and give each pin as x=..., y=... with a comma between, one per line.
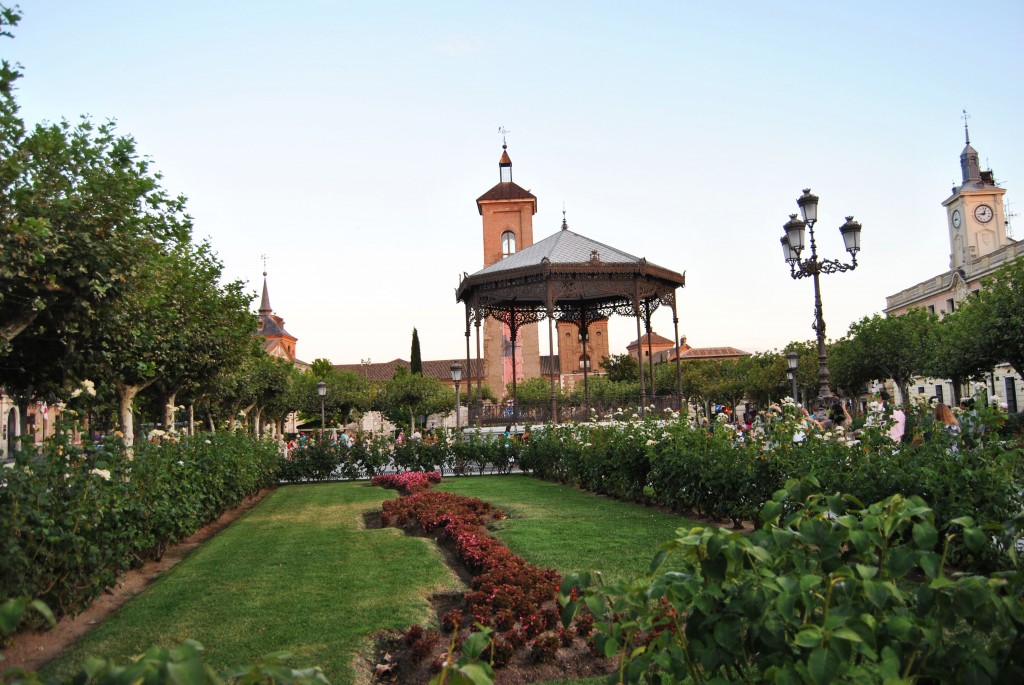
x=552, y=525
x=297, y=573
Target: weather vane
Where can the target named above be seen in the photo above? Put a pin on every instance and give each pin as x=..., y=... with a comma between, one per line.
x=264, y=258
x=503, y=131
x=967, y=135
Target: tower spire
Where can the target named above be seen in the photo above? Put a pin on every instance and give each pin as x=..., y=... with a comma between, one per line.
x=565, y=224
x=505, y=163
x=265, y=300
x=967, y=134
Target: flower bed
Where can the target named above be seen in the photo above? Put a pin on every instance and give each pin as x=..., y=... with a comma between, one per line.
x=407, y=482
x=512, y=597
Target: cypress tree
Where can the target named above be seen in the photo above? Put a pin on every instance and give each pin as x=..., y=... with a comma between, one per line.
x=415, y=361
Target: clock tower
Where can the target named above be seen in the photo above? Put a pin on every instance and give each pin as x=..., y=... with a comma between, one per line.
x=974, y=211
x=507, y=211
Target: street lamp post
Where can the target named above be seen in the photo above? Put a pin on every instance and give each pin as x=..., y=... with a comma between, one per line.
x=456, y=370
x=321, y=389
x=793, y=245
x=792, y=359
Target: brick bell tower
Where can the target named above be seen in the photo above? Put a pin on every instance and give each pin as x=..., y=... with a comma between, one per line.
x=507, y=211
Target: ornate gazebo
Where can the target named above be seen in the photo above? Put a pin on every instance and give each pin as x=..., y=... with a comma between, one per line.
x=568, y=277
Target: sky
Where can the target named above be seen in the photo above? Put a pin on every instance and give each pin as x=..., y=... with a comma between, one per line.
x=348, y=142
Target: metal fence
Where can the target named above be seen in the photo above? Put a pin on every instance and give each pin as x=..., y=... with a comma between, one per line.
x=490, y=414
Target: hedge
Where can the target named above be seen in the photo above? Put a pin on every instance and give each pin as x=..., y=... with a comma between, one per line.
x=72, y=518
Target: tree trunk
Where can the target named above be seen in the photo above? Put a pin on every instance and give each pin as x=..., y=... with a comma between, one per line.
x=127, y=394
x=209, y=418
x=256, y=423
x=191, y=419
x=169, y=408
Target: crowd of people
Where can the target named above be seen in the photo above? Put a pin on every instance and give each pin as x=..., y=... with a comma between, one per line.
x=832, y=415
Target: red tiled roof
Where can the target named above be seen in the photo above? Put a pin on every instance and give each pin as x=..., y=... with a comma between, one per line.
x=436, y=368
x=712, y=353
x=655, y=340
x=506, y=191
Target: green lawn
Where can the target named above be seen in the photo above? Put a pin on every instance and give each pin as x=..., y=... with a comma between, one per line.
x=299, y=573
x=555, y=526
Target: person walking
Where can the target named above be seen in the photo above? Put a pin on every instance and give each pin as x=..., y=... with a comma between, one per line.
x=945, y=419
x=897, y=419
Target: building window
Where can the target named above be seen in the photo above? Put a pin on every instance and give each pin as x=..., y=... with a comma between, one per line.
x=950, y=306
x=581, y=337
x=508, y=243
x=931, y=309
x=938, y=393
x=920, y=390
x=585, y=362
x=1010, y=382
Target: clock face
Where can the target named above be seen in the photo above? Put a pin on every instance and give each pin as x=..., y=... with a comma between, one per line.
x=983, y=213
x=956, y=218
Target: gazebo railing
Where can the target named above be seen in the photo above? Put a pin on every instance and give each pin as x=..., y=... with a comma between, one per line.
x=528, y=412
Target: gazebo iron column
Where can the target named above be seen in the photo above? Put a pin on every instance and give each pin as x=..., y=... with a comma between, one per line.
x=479, y=369
x=469, y=377
x=513, y=329
x=650, y=349
x=550, y=308
x=639, y=347
x=679, y=375
x=584, y=329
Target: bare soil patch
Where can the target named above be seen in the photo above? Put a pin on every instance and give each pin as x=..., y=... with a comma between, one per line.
x=30, y=651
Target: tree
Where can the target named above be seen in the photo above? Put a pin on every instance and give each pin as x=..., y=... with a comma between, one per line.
x=964, y=348
x=214, y=328
x=763, y=374
x=415, y=360
x=999, y=310
x=621, y=367
x=346, y=391
x=896, y=347
x=78, y=209
x=536, y=390
x=408, y=395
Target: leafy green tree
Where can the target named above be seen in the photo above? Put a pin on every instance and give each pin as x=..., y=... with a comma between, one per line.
x=346, y=391
x=999, y=313
x=621, y=367
x=964, y=351
x=536, y=390
x=214, y=328
x=896, y=347
x=408, y=395
x=485, y=393
x=321, y=368
x=763, y=374
x=728, y=382
x=602, y=389
x=79, y=212
x=415, y=360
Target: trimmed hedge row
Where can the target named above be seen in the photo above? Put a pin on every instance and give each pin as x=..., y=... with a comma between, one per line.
x=72, y=518
x=728, y=476
x=324, y=460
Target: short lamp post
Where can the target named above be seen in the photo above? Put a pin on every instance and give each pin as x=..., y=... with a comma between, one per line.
x=792, y=359
x=456, y=370
x=793, y=245
x=321, y=390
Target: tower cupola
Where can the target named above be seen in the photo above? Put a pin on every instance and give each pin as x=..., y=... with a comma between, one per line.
x=505, y=166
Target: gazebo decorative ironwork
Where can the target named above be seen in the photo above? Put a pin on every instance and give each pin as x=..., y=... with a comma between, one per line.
x=571, y=278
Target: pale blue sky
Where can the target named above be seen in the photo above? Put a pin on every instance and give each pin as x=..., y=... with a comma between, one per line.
x=349, y=140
